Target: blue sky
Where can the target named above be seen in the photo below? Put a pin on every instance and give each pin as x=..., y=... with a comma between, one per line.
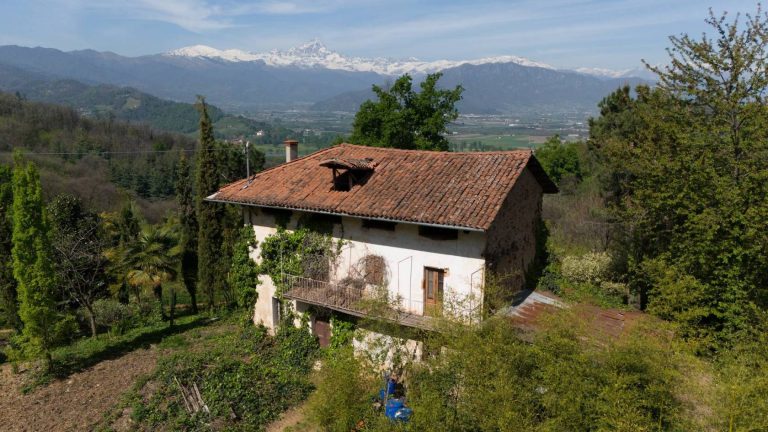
x=580, y=33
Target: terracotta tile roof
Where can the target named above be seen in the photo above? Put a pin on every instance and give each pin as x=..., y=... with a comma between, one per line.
x=465, y=190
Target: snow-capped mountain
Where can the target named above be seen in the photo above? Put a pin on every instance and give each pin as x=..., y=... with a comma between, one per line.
x=315, y=54
x=318, y=77
x=602, y=72
x=639, y=72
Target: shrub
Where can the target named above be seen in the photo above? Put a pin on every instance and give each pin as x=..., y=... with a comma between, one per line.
x=115, y=316
x=65, y=330
x=592, y=267
x=343, y=332
x=344, y=392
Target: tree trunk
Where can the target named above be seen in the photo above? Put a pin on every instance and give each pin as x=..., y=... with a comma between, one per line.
x=158, y=290
x=192, y=290
x=91, y=319
x=173, y=305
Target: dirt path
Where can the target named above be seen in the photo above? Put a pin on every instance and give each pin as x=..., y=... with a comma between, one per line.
x=293, y=420
x=73, y=404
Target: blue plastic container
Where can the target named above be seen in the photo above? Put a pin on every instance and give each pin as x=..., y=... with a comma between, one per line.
x=391, y=386
x=393, y=406
x=403, y=414
x=388, y=391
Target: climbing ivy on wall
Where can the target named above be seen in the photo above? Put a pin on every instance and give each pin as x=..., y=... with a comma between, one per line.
x=300, y=253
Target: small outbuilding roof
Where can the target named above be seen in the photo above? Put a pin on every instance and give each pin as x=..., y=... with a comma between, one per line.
x=462, y=190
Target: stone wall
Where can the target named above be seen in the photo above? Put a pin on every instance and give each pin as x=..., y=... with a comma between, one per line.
x=511, y=246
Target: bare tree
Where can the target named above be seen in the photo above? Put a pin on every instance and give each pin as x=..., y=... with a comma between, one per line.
x=79, y=252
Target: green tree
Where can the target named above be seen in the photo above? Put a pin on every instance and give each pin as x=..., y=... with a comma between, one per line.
x=32, y=263
x=559, y=159
x=403, y=118
x=209, y=215
x=688, y=181
x=8, y=297
x=185, y=197
x=152, y=260
x=244, y=273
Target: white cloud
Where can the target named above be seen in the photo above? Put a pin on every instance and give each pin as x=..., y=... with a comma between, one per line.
x=204, y=15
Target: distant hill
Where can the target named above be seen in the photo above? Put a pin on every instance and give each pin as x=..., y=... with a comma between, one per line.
x=312, y=76
x=129, y=104
x=96, y=160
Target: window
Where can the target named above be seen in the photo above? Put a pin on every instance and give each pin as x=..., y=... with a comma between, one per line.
x=436, y=233
x=379, y=224
x=375, y=269
x=320, y=222
x=346, y=180
x=282, y=216
x=434, y=280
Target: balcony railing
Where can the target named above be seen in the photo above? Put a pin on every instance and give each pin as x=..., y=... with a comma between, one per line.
x=348, y=299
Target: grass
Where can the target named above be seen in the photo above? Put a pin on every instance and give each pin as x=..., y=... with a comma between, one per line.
x=87, y=352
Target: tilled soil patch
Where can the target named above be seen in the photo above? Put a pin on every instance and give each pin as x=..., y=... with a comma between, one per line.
x=76, y=403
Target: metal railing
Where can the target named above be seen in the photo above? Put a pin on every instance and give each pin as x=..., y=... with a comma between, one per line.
x=365, y=303
x=334, y=296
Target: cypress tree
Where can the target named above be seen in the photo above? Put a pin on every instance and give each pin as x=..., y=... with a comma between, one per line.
x=32, y=264
x=8, y=300
x=188, y=219
x=210, y=215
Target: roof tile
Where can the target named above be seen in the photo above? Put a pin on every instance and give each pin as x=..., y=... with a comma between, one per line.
x=464, y=190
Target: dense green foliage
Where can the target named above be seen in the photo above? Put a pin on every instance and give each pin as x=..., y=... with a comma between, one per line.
x=685, y=173
x=403, y=118
x=32, y=261
x=243, y=274
x=343, y=397
x=488, y=379
x=9, y=314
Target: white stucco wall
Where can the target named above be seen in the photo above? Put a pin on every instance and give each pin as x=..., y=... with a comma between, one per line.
x=406, y=254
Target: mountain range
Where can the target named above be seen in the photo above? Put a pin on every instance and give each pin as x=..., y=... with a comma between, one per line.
x=312, y=76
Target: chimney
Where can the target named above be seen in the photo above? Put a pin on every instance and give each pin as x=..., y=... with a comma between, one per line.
x=291, y=150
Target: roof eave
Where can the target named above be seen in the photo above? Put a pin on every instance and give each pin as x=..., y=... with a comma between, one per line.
x=212, y=198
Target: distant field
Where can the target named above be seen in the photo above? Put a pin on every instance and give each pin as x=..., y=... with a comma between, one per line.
x=478, y=142
x=275, y=154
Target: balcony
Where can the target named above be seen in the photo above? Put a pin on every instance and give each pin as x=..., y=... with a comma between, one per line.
x=350, y=300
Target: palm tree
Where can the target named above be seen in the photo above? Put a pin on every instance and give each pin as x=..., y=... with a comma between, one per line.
x=152, y=260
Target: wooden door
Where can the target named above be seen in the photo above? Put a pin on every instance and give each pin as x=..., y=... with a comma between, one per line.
x=322, y=329
x=433, y=291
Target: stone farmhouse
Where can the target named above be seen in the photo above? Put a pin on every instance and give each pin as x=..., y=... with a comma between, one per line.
x=424, y=227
